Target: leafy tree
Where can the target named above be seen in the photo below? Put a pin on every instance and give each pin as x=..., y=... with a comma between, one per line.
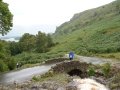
x=11, y=64
x=3, y=66
x=4, y=49
x=27, y=42
x=1, y=50
x=41, y=42
x=49, y=41
x=14, y=48
x=5, y=18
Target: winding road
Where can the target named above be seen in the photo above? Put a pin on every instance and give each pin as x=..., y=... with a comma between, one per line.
x=26, y=74
x=23, y=75
x=96, y=60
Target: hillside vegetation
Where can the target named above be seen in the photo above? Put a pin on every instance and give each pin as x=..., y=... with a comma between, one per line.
x=94, y=31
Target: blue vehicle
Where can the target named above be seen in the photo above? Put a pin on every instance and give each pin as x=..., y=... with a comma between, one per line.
x=71, y=55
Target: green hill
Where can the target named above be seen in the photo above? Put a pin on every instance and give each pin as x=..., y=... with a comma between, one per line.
x=93, y=31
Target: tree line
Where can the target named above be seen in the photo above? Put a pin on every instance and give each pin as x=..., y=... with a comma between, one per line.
x=39, y=43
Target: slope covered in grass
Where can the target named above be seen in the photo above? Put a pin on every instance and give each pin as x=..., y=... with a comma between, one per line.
x=90, y=32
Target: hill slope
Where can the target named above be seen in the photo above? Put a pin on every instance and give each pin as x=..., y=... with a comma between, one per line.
x=90, y=32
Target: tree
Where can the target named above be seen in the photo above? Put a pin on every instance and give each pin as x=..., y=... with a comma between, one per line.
x=4, y=49
x=49, y=41
x=2, y=55
x=14, y=48
x=27, y=42
x=11, y=64
x=41, y=42
x=3, y=66
x=5, y=18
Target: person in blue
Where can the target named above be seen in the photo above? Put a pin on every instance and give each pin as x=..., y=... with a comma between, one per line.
x=71, y=55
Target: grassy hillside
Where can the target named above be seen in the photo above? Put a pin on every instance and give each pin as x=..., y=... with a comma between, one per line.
x=94, y=31
x=88, y=17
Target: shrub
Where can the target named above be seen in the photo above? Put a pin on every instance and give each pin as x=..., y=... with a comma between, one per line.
x=3, y=66
x=91, y=71
x=11, y=64
x=48, y=74
x=35, y=78
x=106, y=69
x=114, y=84
x=2, y=55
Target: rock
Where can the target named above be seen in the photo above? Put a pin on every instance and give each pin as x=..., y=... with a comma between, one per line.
x=99, y=79
x=42, y=89
x=34, y=88
x=61, y=88
x=72, y=86
x=50, y=85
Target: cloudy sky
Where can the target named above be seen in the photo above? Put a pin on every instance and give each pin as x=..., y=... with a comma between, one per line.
x=31, y=16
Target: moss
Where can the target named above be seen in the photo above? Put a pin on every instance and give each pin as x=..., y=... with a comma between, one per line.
x=106, y=69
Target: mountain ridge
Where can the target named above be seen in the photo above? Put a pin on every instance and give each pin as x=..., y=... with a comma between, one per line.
x=81, y=19
x=92, y=31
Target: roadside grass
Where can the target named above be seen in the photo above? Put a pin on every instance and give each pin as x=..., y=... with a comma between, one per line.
x=62, y=78
x=29, y=65
x=110, y=55
x=31, y=59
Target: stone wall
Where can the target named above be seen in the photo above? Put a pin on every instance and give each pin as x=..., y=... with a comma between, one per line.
x=70, y=65
x=55, y=60
x=72, y=68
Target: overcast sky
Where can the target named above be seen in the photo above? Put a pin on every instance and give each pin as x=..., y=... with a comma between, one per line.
x=31, y=16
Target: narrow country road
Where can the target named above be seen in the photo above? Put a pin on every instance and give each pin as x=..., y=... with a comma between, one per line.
x=26, y=74
x=94, y=60
x=23, y=75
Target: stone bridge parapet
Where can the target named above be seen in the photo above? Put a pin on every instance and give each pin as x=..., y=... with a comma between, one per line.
x=72, y=68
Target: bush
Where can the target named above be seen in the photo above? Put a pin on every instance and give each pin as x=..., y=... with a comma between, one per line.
x=11, y=64
x=91, y=71
x=114, y=84
x=3, y=66
x=2, y=55
x=106, y=69
x=35, y=78
x=48, y=74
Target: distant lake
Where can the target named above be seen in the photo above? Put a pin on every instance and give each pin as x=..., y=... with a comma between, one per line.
x=10, y=39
